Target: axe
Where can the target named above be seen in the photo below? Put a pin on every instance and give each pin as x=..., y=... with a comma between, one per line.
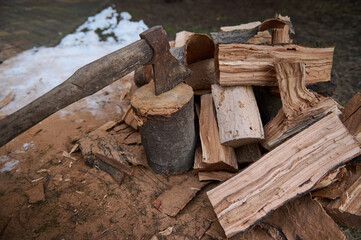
x=153, y=48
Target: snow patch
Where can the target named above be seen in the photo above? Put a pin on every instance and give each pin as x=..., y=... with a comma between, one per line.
x=9, y=165
x=34, y=72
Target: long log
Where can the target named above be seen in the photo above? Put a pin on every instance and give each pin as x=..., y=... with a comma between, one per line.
x=84, y=82
x=288, y=171
x=249, y=64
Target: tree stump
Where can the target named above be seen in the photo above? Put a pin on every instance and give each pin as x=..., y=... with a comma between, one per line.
x=166, y=125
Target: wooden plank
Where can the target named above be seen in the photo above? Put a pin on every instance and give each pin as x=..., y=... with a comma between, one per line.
x=239, y=121
x=290, y=170
x=300, y=107
x=172, y=201
x=250, y=64
x=213, y=153
x=304, y=218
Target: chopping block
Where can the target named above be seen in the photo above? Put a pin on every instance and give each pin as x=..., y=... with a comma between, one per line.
x=164, y=110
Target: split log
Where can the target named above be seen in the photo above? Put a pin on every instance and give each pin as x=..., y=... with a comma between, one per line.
x=304, y=218
x=243, y=26
x=235, y=36
x=172, y=201
x=181, y=38
x=203, y=75
x=281, y=27
x=248, y=153
x=344, y=206
x=300, y=107
x=219, y=157
x=214, y=176
x=239, y=120
x=129, y=118
x=290, y=170
x=351, y=115
x=249, y=64
x=166, y=125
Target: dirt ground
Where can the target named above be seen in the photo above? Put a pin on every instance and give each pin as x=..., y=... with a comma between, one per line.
x=80, y=202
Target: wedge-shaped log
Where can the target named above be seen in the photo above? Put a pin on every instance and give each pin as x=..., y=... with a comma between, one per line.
x=249, y=64
x=239, y=121
x=300, y=107
x=288, y=171
x=214, y=155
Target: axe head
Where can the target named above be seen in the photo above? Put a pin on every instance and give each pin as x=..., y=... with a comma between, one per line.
x=168, y=71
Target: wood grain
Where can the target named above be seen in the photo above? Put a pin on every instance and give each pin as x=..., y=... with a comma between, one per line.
x=291, y=169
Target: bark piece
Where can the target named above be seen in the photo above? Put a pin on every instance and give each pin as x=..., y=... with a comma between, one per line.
x=249, y=25
x=239, y=121
x=172, y=201
x=291, y=169
x=114, y=163
x=304, y=218
x=300, y=107
x=213, y=153
x=214, y=176
x=36, y=193
x=351, y=115
x=248, y=153
x=166, y=125
x=249, y=64
x=234, y=36
x=84, y=82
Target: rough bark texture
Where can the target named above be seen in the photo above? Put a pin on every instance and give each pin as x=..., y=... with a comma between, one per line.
x=166, y=125
x=239, y=120
x=249, y=64
x=304, y=218
x=300, y=107
x=234, y=36
x=129, y=118
x=213, y=153
x=290, y=170
x=351, y=115
x=84, y=82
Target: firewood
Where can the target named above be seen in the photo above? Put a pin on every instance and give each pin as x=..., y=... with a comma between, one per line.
x=181, y=38
x=282, y=29
x=248, y=153
x=166, y=125
x=239, y=120
x=290, y=170
x=143, y=75
x=262, y=37
x=304, y=218
x=168, y=204
x=249, y=64
x=203, y=75
x=300, y=107
x=129, y=119
x=234, y=36
x=344, y=206
x=213, y=153
x=351, y=115
x=214, y=176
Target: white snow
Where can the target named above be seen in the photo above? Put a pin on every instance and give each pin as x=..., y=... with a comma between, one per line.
x=9, y=165
x=34, y=72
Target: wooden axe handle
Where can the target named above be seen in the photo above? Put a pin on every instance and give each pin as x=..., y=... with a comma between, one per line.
x=84, y=82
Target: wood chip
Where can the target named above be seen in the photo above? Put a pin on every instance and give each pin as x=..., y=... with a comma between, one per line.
x=6, y=100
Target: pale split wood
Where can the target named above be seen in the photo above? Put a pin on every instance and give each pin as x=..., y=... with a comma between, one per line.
x=250, y=64
x=239, y=121
x=300, y=107
x=181, y=38
x=129, y=118
x=288, y=171
x=212, y=151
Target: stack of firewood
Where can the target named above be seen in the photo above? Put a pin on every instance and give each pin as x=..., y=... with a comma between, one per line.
x=282, y=152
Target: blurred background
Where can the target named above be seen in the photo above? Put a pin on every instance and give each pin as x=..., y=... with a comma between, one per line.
x=27, y=24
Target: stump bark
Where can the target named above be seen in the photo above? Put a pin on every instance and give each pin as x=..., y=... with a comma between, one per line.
x=166, y=125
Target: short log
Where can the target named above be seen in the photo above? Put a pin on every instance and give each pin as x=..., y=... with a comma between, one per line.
x=166, y=125
x=239, y=120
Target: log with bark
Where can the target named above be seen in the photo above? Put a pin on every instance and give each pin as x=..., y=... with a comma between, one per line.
x=351, y=116
x=239, y=120
x=300, y=107
x=249, y=64
x=214, y=155
x=166, y=125
x=288, y=171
